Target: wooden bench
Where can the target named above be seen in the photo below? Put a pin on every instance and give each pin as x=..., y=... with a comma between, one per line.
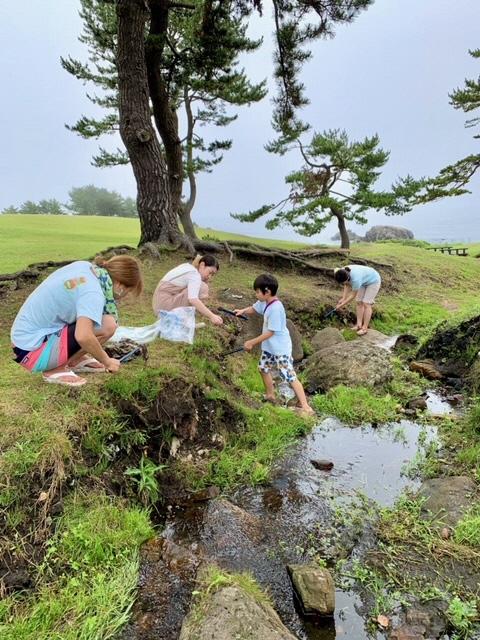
x=442, y=249
x=461, y=251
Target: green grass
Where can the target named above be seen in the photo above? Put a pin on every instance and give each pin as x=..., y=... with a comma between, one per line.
x=49, y=433
x=356, y=406
x=249, y=454
x=89, y=576
x=38, y=238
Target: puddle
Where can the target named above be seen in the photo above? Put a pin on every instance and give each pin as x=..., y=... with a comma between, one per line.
x=368, y=460
x=440, y=403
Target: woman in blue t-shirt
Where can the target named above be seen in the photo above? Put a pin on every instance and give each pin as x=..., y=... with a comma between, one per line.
x=64, y=322
x=362, y=283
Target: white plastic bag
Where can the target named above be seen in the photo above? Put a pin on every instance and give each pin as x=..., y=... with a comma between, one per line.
x=177, y=325
x=142, y=335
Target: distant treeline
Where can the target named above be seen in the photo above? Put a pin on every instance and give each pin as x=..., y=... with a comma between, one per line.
x=84, y=201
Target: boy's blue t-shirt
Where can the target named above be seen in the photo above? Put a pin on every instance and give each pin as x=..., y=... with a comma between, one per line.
x=275, y=319
x=361, y=276
x=69, y=293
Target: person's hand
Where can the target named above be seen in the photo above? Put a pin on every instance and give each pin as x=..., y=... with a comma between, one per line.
x=248, y=346
x=238, y=312
x=113, y=365
x=216, y=320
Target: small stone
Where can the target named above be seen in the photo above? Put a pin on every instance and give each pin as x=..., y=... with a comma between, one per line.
x=323, y=465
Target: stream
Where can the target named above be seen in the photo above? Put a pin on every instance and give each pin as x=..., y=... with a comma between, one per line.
x=295, y=513
x=304, y=512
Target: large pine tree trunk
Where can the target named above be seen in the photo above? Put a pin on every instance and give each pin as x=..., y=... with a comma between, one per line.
x=166, y=118
x=158, y=220
x=342, y=228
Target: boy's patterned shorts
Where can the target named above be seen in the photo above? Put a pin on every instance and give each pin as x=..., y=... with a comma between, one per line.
x=284, y=366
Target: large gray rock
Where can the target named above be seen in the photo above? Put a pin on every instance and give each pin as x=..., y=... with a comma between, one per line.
x=231, y=613
x=253, y=328
x=326, y=338
x=352, y=236
x=353, y=364
x=384, y=232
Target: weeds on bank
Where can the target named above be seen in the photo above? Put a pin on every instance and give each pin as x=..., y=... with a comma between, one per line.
x=88, y=576
x=462, y=615
x=407, y=524
x=249, y=454
x=385, y=593
x=402, y=529
x=145, y=476
x=355, y=406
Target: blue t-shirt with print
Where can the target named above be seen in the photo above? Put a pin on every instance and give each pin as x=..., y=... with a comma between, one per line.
x=275, y=319
x=69, y=293
x=361, y=276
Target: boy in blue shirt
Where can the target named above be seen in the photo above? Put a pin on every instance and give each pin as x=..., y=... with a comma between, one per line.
x=275, y=339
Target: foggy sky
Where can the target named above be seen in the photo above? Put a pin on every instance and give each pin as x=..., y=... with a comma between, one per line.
x=389, y=73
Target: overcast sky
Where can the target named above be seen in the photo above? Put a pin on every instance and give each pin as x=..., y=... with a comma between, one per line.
x=390, y=72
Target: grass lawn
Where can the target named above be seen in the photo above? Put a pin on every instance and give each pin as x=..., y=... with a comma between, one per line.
x=38, y=238
x=64, y=442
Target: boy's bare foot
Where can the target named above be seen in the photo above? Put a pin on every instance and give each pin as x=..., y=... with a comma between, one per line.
x=271, y=399
x=304, y=412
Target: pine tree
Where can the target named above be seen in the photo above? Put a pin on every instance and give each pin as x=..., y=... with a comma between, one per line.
x=335, y=182
x=453, y=179
x=201, y=57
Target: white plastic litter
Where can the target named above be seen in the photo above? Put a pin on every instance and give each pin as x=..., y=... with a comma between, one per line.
x=177, y=326
x=141, y=335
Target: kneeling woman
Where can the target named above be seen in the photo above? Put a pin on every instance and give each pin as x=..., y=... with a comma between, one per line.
x=362, y=283
x=186, y=286
x=71, y=314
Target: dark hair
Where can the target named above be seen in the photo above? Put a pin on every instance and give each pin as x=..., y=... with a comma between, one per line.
x=342, y=275
x=208, y=260
x=264, y=282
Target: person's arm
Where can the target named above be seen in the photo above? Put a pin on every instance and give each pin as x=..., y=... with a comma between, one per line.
x=346, y=298
x=249, y=344
x=87, y=339
x=205, y=311
x=241, y=312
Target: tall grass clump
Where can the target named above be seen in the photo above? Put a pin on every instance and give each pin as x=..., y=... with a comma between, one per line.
x=356, y=406
x=89, y=576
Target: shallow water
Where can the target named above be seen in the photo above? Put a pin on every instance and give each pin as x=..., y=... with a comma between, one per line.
x=305, y=512
x=367, y=460
x=296, y=509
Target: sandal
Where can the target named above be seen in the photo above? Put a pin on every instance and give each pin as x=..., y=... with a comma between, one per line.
x=356, y=327
x=362, y=332
x=56, y=378
x=88, y=366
